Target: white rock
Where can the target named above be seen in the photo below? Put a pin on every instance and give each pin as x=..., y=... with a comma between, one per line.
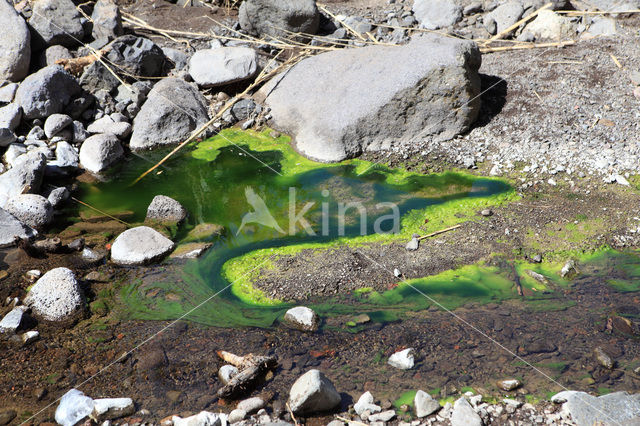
x=98, y=152
x=237, y=415
x=384, y=416
x=55, y=123
x=226, y=373
x=112, y=408
x=31, y=209
x=30, y=337
x=107, y=125
x=251, y=405
x=203, y=418
x=550, y=25
x=365, y=403
x=436, y=14
x=313, y=393
x=11, y=322
x=404, y=360
x=15, y=44
x=11, y=227
x=464, y=415
x=225, y=65
x=140, y=245
x=56, y=295
x=10, y=116
x=302, y=318
x=74, y=406
x=424, y=404
x=66, y=155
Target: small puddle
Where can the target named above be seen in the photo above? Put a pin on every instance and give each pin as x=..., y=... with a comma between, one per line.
x=254, y=186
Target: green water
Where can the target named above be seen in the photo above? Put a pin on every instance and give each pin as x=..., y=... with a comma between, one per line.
x=213, y=181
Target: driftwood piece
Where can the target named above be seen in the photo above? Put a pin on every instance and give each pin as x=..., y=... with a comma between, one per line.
x=252, y=370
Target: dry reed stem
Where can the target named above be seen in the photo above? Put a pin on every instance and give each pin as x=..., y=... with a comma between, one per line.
x=344, y=24
x=100, y=211
x=527, y=46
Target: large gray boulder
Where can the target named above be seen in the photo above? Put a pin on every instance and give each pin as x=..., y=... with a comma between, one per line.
x=279, y=18
x=224, y=65
x=31, y=209
x=139, y=246
x=56, y=296
x=618, y=408
x=46, y=92
x=10, y=228
x=15, y=44
x=56, y=22
x=173, y=110
x=25, y=176
x=313, y=393
x=435, y=14
x=338, y=104
x=99, y=152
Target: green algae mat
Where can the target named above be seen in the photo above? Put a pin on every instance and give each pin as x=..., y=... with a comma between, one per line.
x=272, y=202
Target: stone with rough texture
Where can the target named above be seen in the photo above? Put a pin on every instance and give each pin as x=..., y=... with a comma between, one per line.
x=55, y=123
x=12, y=321
x=224, y=65
x=15, y=44
x=165, y=209
x=279, y=18
x=464, y=415
x=436, y=14
x=66, y=155
x=138, y=56
x=10, y=116
x=424, y=405
x=428, y=88
x=618, y=408
x=97, y=77
x=56, y=22
x=46, y=92
x=56, y=296
x=404, y=359
x=107, y=21
x=313, y=393
x=25, y=176
x=11, y=227
x=302, y=318
x=112, y=408
x=548, y=25
x=139, y=246
x=31, y=209
x=173, y=110
x=98, y=152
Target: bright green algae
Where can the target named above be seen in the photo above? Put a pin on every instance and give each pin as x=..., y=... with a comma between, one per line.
x=210, y=182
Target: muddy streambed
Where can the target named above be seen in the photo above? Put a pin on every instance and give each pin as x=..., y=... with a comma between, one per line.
x=237, y=189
